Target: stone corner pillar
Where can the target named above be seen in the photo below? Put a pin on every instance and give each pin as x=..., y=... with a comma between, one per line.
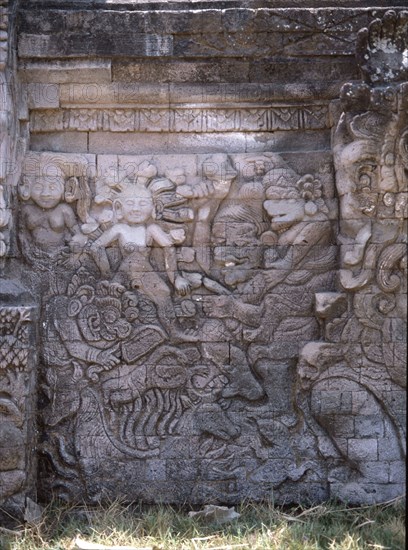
x=18, y=432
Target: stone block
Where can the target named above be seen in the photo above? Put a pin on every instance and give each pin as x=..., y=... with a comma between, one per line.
x=182, y=470
x=242, y=92
x=389, y=449
x=285, y=142
x=363, y=403
x=369, y=426
x=228, y=45
x=75, y=44
x=43, y=96
x=176, y=70
x=205, y=143
x=114, y=95
x=363, y=449
x=397, y=471
x=156, y=470
x=62, y=142
x=123, y=144
x=64, y=71
x=356, y=492
x=311, y=70
x=375, y=471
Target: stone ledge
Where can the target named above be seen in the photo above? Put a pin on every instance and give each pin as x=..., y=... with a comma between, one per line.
x=200, y=4
x=76, y=45
x=61, y=72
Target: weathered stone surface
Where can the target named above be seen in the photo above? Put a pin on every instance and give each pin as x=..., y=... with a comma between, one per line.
x=71, y=72
x=73, y=45
x=212, y=219
x=18, y=461
x=176, y=70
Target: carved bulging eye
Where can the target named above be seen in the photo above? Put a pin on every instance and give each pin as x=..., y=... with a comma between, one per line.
x=110, y=315
x=365, y=182
x=389, y=199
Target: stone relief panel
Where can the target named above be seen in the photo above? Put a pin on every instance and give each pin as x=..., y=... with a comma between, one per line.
x=190, y=120
x=5, y=213
x=12, y=130
x=223, y=326
x=176, y=293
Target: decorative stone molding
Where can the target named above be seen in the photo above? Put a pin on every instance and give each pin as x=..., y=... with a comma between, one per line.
x=264, y=119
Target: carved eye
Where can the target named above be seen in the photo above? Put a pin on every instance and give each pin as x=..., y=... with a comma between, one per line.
x=110, y=315
x=365, y=182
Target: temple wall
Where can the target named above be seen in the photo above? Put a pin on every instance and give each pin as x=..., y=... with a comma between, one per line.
x=205, y=214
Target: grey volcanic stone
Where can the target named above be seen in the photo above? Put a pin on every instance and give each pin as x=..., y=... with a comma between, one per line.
x=203, y=213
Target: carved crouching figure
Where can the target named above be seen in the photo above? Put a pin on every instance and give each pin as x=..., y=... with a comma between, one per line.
x=49, y=224
x=136, y=233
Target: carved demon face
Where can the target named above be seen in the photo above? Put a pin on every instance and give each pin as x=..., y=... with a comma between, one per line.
x=236, y=250
x=102, y=321
x=285, y=212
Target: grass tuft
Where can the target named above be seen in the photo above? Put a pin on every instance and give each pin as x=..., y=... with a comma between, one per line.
x=327, y=526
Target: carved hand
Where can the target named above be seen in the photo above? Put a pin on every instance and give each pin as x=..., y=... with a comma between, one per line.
x=218, y=306
x=183, y=287
x=382, y=46
x=107, y=359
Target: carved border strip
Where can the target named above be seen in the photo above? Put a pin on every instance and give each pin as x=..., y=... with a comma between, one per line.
x=265, y=119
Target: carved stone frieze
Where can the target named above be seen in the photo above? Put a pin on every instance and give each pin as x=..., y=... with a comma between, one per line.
x=254, y=119
x=171, y=279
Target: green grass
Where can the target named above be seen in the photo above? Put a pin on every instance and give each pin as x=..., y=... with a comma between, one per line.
x=327, y=526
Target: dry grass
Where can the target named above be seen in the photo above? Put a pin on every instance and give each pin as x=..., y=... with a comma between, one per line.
x=261, y=526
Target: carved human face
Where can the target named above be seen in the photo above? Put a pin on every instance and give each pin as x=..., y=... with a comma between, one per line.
x=285, y=212
x=135, y=208
x=47, y=192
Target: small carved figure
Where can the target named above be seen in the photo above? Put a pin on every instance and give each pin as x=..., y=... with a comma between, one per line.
x=205, y=196
x=49, y=223
x=136, y=233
